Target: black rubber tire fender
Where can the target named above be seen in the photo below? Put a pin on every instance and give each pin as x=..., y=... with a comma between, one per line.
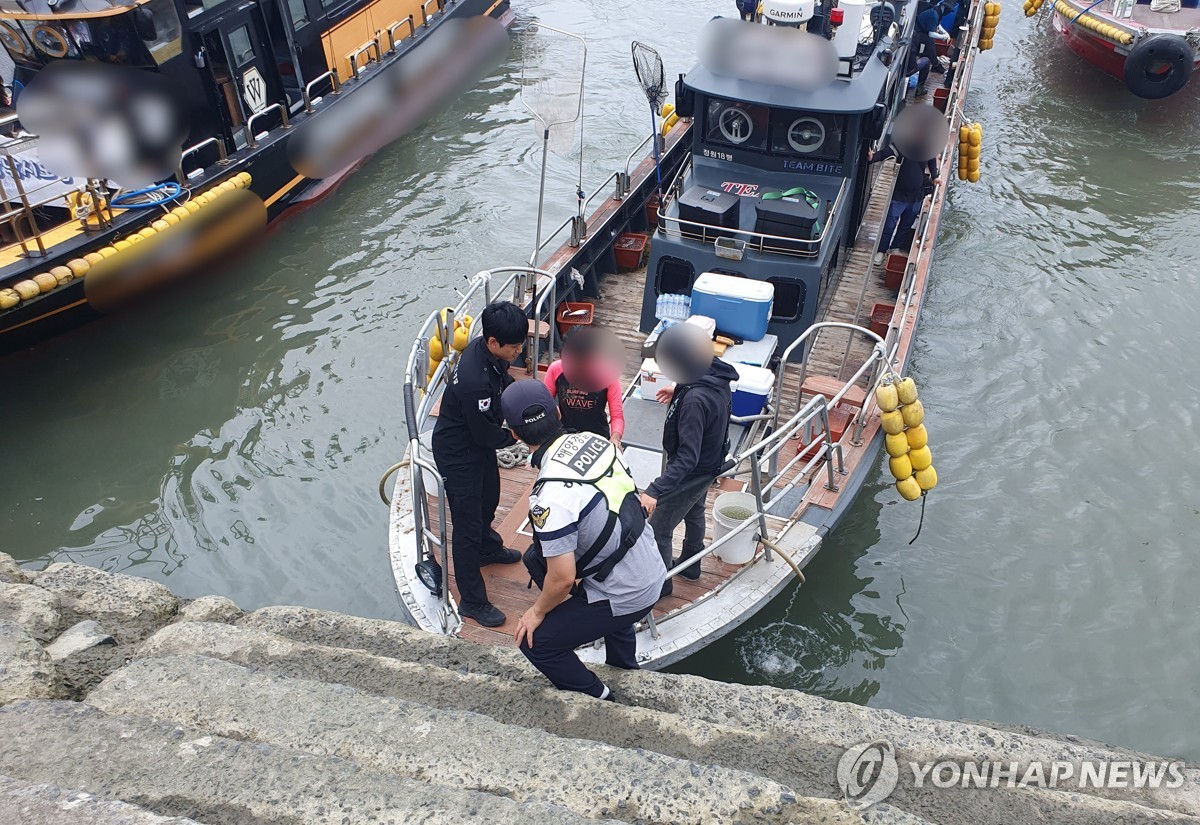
x=1159, y=66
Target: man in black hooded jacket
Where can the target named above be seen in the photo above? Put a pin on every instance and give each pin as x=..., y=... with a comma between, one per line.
x=696, y=441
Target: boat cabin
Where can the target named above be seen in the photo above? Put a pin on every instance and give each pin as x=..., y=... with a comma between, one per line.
x=777, y=179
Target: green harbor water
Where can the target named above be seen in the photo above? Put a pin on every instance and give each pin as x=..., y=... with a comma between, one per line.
x=230, y=440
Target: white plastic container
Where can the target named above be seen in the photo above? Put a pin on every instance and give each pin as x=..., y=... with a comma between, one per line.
x=754, y=387
x=739, y=549
x=741, y=306
x=709, y=325
x=652, y=380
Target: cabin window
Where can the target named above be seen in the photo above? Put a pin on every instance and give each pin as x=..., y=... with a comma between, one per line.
x=239, y=44
x=736, y=124
x=299, y=13
x=675, y=276
x=159, y=29
x=789, y=299
x=811, y=135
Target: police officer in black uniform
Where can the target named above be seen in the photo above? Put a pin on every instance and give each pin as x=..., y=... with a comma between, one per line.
x=468, y=432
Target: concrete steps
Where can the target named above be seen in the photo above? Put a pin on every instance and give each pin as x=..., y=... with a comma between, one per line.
x=791, y=737
x=298, y=716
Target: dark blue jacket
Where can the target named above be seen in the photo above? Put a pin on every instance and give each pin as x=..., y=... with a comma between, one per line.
x=696, y=432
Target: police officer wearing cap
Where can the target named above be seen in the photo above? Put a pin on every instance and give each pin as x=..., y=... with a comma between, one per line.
x=468, y=432
x=600, y=566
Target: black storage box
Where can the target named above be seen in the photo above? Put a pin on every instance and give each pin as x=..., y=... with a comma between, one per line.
x=790, y=217
x=709, y=207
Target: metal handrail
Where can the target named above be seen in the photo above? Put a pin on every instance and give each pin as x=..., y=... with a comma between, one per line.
x=391, y=32
x=251, y=141
x=334, y=83
x=354, y=55
x=636, y=149
x=425, y=15
x=757, y=240
x=534, y=255
x=600, y=188
x=222, y=156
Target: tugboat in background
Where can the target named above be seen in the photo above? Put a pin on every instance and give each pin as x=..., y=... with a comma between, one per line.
x=152, y=139
x=1151, y=45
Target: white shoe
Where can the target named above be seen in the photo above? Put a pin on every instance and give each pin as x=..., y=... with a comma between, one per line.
x=879, y=258
x=894, y=251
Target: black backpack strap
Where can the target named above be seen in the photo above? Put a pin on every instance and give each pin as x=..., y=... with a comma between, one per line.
x=633, y=515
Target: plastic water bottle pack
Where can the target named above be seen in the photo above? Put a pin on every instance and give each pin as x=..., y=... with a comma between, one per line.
x=673, y=307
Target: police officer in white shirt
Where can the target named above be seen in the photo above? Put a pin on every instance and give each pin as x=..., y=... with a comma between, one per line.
x=602, y=569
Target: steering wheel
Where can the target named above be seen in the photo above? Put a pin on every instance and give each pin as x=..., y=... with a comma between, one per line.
x=806, y=135
x=735, y=125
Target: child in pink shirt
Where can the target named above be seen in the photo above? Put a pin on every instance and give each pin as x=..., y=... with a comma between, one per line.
x=584, y=383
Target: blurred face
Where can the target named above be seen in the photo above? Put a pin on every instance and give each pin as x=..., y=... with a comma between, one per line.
x=505, y=352
x=597, y=362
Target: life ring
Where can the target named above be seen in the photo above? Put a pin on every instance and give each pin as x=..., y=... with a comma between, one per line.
x=13, y=39
x=1159, y=66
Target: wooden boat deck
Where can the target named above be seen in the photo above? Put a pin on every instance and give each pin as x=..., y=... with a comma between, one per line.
x=619, y=309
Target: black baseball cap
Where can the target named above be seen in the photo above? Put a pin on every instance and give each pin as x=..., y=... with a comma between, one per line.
x=526, y=402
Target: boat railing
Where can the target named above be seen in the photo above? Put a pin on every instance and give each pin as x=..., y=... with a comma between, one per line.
x=578, y=222
x=371, y=45
x=391, y=32
x=181, y=173
x=769, y=487
x=759, y=241
x=423, y=388
x=251, y=138
x=335, y=88
x=439, y=5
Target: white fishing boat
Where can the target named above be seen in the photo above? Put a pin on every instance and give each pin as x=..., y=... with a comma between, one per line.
x=802, y=452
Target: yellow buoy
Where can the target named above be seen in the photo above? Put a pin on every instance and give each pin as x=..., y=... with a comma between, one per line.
x=973, y=177
x=896, y=445
x=159, y=225
x=900, y=466
x=892, y=422
x=9, y=298
x=79, y=266
x=119, y=246
x=45, y=281
x=93, y=258
x=180, y=212
x=913, y=414
x=436, y=352
x=109, y=251
x=27, y=289
x=920, y=457
x=917, y=436
x=886, y=398
x=909, y=489
x=906, y=390
x=461, y=336
x=170, y=219
x=192, y=206
x=62, y=274
x=927, y=478
x=133, y=239
x=148, y=233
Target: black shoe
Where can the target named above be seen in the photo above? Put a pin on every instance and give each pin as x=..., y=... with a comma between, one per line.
x=666, y=589
x=486, y=614
x=505, y=556
x=691, y=574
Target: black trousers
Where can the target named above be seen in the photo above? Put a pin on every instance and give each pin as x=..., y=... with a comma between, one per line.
x=684, y=503
x=473, y=493
x=573, y=623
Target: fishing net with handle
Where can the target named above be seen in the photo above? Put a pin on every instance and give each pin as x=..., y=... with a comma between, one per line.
x=648, y=65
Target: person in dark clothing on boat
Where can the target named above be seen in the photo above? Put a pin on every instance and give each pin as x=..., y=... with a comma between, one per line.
x=695, y=439
x=919, y=65
x=926, y=30
x=913, y=180
x=588, y=527
x=468, y=432
x=748, y=9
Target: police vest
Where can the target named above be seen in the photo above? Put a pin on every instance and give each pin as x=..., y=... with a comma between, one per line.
x=584, y=458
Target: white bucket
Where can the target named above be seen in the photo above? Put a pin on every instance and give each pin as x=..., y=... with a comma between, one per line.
x=739, y=549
